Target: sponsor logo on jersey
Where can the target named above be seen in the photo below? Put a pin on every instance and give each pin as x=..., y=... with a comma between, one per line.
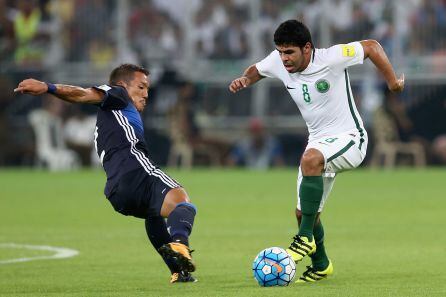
x=348, y=50
x=289, y=88
x=322, y=86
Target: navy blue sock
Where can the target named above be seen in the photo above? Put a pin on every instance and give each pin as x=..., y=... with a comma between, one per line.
x=156, y=230
x=180, y=222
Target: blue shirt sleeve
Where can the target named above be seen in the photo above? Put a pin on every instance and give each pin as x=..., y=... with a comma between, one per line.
x=116, y=97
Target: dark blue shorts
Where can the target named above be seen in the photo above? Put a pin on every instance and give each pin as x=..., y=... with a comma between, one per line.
x=141, y=194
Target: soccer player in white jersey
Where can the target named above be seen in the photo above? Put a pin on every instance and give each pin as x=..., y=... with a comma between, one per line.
x=318, y=82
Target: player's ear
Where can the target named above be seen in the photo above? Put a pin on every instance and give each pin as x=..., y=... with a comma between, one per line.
x=307, y=48
x=121, y=83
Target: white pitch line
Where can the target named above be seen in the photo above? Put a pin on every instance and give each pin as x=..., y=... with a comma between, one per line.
x=60, y=252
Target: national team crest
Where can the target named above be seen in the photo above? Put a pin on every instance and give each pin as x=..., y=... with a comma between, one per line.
x=322, y=85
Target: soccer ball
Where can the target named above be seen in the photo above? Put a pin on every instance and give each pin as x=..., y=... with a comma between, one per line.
x=273, y=267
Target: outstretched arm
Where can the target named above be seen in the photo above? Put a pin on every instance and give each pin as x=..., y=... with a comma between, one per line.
x=374, y=51
x=68, y=93
x=250, y=77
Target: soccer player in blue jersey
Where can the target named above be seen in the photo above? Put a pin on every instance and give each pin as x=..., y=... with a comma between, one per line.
x=135, y=185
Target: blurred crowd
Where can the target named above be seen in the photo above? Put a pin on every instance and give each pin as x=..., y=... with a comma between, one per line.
x=219, y=29
x=37, y=36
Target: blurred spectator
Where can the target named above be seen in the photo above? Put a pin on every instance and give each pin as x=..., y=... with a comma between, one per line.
x=258, y=151
x=310, y=14
x=176, y=9
x=152, y=33
x=78, y=131
x=65, y=11
x=393, y=135
x=395, y=108
x=7, y=148
x=268, y=22
x=51, y=150
x=16, y=135
x=93, y=20
x=31, y=40
x=381, y=15
x=429, y=17
x=101, y=52
x=187, y=143
x=221, y=29
x=231, y=41
x=439, y=149
x=6, y=32
x=360, y=25
x=428, y=117
x=340, y=19
x=205, y=30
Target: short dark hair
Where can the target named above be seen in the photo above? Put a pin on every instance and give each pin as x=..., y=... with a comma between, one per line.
x=125, y=72
x=292, y=32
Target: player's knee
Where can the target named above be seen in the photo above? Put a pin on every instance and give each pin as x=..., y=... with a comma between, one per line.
x=312, y=162
x=174, y=198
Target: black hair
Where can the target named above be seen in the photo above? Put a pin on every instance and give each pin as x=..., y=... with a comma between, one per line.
x=294, y=33
x=125, y=72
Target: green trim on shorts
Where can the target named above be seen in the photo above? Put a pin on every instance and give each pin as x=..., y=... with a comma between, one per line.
x=349, y=145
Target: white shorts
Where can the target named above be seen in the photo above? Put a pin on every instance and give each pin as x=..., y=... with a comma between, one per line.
x=341, y=152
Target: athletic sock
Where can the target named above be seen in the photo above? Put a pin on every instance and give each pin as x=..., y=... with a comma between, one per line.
x=156, y=230
x=319, y=259
x=180, y=222
x=310, y=192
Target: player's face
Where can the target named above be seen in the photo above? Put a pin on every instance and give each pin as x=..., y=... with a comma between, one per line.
x=138, y=90
x=294, y=58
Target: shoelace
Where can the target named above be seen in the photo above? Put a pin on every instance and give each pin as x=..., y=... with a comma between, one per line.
x=311, y=271
x=296, y=241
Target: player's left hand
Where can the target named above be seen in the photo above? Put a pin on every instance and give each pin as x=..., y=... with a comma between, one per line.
x=31, y=86
x=397, y=86
x=238, y=84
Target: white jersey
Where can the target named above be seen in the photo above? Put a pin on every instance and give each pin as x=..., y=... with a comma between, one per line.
x=322, y=91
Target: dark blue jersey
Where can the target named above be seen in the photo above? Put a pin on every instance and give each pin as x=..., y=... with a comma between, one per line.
x=119, y=138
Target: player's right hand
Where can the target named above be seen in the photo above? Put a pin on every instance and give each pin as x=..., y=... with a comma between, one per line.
x=31, y=86
x=397, y=86
x=238, y=84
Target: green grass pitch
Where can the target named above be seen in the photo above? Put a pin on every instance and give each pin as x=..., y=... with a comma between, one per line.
x=385, y=232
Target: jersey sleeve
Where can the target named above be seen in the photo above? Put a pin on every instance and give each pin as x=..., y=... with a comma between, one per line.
x=342, y=56
x=270, y=66
x=116, y=97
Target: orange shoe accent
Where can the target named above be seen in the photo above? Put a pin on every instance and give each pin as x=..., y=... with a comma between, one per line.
x=174, y=277
x=181, y=249
x=179, y=253
x=182, y=277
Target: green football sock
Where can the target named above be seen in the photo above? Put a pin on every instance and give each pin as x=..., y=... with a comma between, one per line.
x=310, y=192
x=319, y=259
